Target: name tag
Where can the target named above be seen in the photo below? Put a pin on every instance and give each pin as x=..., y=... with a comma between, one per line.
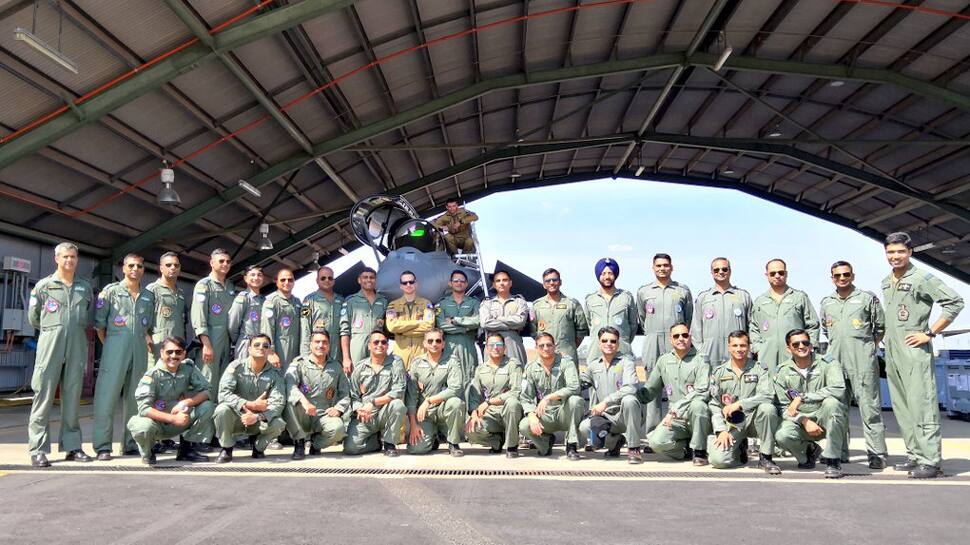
x=751, y=378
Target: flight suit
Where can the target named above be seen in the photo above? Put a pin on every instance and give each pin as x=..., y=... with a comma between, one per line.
x=562, y=415
x=409, y=322
x=425, y=380
x=615, y=383
x=170, y=316
x=240, y=384
x=500, y=423
x=771, y=321
x=162, y=390
x=386, y=421
x=659, y=308
x=124, y=358
x=280, y=319
x=507, y=318
x=244, y=317
x=358, y=319
x=462, y=237
x=324, y=386
x=912, y=387
x=852, y=326
x=460, y=324
x=564, y=320
x=687, y=385
x=318, y=312
x=620, y=311
x=716, y=315
x=61, y=315
x=211, y=300
x=822, y=392
x=758, y=417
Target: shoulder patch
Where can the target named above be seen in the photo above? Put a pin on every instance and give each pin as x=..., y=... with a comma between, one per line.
x=305, y=312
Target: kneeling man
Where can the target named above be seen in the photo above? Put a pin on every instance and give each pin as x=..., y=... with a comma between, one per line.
x=318, y=396
x=550, y=399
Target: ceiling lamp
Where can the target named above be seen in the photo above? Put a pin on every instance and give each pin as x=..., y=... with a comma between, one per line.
x=836, y=83
x=775, y=132
x=250, y=188
x=265, y=243
x=33, y=40
x=168, y=195
x=725, y=51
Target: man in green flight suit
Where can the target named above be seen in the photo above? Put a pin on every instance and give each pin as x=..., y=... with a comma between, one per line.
x=909, y=293
x=211, y=299
x=493, y=400
x=611, y=306
x=171, y=309
x=173, y=399
x=123, y=318
x=560, y=316
x=60, y=310
x=377, y=388
x=776, y=312
x=246, y=312
x=321, y=310
x=318, y=396
x=361, y=314
x=854, y=322
x=457, y=316
x=551, y=399
x=280, y=319
x=718, y=311
x=433, y=398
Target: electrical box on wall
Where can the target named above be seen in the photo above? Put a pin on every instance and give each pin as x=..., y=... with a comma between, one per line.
x=15, y=319
x=19, y=264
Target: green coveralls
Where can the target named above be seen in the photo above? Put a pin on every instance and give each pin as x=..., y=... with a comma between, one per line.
x=770, y=322
x=318, y=312
x=852, y=326
x=716, y=315
x=280, y=319
x=386, y=421
x=324, y=386
x=61, y=314
x=659, y=308
x=509, y=319
x=460, y=324
x=912, y=387
x=616, y=384
x=211, y=300
x=756, y=392
x=564, y=320
x=244, y=316
x=171, y=315
x=562, y=415
x=446, y=379
x=619, y=311
x=687, y=385
x=358, y=319
x=500, y=423
x=124, y=358
x=162, y=390
x=822, y=394
x=240, y=384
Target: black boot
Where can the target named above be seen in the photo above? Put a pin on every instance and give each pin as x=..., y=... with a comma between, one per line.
x=615, y=451
x=225, y=456
x=572, y=452
x=812, y=453
x=298, y=452
x=876, y=461
x=390, y=450
x=768, y=465
x=926, y=471
x=256, y=453
x=187, y=453
x=700, y=458
x=833, y=468
x=455, y=451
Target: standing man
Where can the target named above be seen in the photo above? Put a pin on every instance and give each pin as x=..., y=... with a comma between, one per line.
x=409, y=317
x=377, y=388
x=457, y=316
x=775, y=313
x=854, y=322
x=551, y=399
x=611, y=306
x=318, y=395
x=123, y=318
x=660, y=305
x=560, y=316
x=211, y=299
x=245, y=312
x=361, y=314
x=171, y=312
x=909, y=293
x=60, y=310
x=280, y=319
x=507, y=315
x=718, y=311
x=455, y=224
x=433, y=399
x=321, y=310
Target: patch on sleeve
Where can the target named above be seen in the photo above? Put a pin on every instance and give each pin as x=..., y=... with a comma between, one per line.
x=305, y=312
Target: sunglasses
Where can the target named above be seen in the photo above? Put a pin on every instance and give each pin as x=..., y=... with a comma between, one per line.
x=260, y=345
x=680, y=335
x=459, y=281
x=134, y=266
x=434, y=341
x=379, y=342
x=325, y=278
x=545, y=345
x=800, y=344
x=720, y=269
x=842, y=275
x=407, y=282
x=176, y=265
x=609, y=341
x=777, y=273
x=285, y=280
x=550, y=280
x=496, y=345
x=173, y=352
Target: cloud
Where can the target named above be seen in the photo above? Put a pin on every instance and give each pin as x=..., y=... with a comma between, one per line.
x=620, y=248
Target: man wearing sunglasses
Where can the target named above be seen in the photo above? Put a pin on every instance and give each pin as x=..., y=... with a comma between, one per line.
x=560, y=316
x=551, y=399
x=611, y=306
x=717, y=312
x=683, y=374
x=171, y=313
x=408, y=318
x=173, y=399
x=776, y=312
x=616, y=414
x=434, y=398
x=252, y=394
x=318, y=395
x=211, y=299
x=361, y=314
x=123, y=318
x=245, y=312
x=457, y=316
x=280, y=319
x=321, y=310
x=854, y=322
x=378, y=413
x=813, y=387
x=493, y=400
x=507, y=315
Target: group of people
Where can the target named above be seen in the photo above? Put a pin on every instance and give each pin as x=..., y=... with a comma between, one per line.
x=273, y=369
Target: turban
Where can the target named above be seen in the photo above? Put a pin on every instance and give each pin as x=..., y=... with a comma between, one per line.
x=607, y=262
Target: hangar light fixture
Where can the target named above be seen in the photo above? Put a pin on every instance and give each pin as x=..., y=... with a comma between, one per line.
x=250, y=188
x=726, y=51
x=924, y=247
x=775, y=132
x=265, y=243
x=168, y=195
x=45, y=49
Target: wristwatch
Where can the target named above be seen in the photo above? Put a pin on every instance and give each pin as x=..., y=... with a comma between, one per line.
x=929, y=333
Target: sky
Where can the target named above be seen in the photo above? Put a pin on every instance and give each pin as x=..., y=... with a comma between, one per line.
x=570, y=227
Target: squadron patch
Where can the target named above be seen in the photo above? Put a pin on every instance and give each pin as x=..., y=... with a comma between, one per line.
x=709, y=313
x=52, y=305
x=764, y=325
x=166, y=312
x=120, y=320
x=100, y=303
x=542, y=325
x=305, y=312
x=391, y=314
x=829, y=321
x=216, y=309
x=285, y=321
x=254, y=315
x=738, y=312
x=856, y=323
x=649, y=308
x=902, y=313
x=200, y=297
